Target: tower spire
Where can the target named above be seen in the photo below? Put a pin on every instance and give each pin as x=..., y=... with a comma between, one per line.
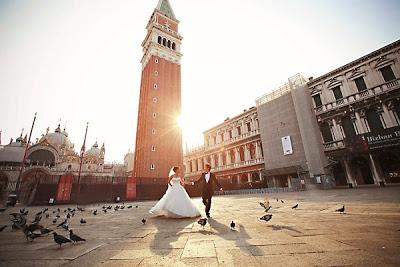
x=165, y=8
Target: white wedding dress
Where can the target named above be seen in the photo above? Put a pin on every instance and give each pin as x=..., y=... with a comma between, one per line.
x=175, y=203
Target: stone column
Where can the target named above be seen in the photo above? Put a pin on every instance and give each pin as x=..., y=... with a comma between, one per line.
x=375, y=172
x=212, y=161
x=338, y=133
x=220, y=162
x=257, y=148
x=289, y=181
x=246, y=153
x=349, y=173
x=274, y=181
x=390, y=121
x=360, y=124
x=249, y=177
x=199, y=164
x=228, y=157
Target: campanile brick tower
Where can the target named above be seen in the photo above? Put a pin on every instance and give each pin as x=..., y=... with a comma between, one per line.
x=158, y=137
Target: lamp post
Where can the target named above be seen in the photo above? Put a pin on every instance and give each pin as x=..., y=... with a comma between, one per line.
x=24, y=158
x=80, y=164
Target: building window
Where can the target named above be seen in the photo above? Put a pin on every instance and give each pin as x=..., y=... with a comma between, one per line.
x=337, y=93
x=360, y=83
x=348, y=128
x=248, y=127
x=317, y=100
x=173, y=46
x=156, y=73
x=153, y=131
x=169, y=44
x=153, y=148
x=239, y=132
x=69, y=167
x=230, y=134
x=154, y=115
x=152, y=166
x=326, y=133
x=156, y=61
x=154, y=99
x=155, y=86
x=164, y=42
x=387, y=74
x=159, y=39
x=374, y=121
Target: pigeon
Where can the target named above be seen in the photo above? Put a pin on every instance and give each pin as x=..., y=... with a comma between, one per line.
x=65, y=211
x=58, y=210
x=202, y=222
x=54, y=211
x=3, y=209
x=95, y=212
x=295, y=206
x=277, y=200
x=37, y=219
x=105, y=211
x=45, y=210
x=75, y=238
x=80, y=209
x=136, y=206
x=44, y=231
x=122, y=207
x=233, y=224
x=59, y=239
x=144, y=221
x=47, y=215
x=282, y=201
x=266, y=217
x=83, y=221
x=58, y=215
x=55, y=220
x=116, y=208
x=3, y=227
x=65, y=226
x=68, y=216
x=39, y=213
x=31, y=236
x=340, y=210
x=129, y=207
x=265, y=205
x=62, y=223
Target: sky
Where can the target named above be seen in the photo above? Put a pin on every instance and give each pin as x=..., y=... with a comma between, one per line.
x=78, y=61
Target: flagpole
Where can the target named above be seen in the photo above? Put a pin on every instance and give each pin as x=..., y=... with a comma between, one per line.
x=24, y=158
x=80, y=164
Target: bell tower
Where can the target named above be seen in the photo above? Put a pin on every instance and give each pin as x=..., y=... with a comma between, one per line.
x=158, y=136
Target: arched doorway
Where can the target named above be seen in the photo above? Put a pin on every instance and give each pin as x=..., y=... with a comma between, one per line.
x=390, y=164
x=339, y=174
x=29, y=184
x=362, y=172
x=3, y=186
x=348, y=128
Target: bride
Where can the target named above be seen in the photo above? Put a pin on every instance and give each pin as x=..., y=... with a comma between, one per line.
x=175, y=203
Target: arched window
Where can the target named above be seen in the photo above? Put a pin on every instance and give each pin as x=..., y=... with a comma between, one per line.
x=169, y=44
x=173, y=46
x=164, y=42
x=159, y=39
x=374, y=121
x=326, y=132
x=348, y=128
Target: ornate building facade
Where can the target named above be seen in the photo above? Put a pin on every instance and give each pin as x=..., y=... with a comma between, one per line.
x=234, y=150
x=358, y=110
x=158, y=136
x=51, y=170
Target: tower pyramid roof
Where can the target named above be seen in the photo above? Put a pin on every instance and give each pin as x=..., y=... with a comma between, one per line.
x=165, y=8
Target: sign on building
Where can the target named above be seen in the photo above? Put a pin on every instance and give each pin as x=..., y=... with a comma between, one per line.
x=287, y=145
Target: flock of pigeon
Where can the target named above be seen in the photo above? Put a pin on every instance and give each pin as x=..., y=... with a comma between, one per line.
x=267, y=217
x=34, y=229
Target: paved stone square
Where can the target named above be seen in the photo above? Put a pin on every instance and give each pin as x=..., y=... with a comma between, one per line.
x=367, y=234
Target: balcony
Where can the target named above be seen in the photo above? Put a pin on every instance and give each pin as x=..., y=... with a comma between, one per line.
x=330, y=146
x=359, y=96
x=246, y=163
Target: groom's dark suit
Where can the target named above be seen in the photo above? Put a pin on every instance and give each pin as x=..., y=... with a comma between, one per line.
x=207, y=189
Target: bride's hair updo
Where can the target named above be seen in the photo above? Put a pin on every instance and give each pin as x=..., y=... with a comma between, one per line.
x=175, y=169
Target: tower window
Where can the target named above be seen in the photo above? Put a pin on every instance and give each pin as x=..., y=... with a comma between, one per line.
x=164, y=42
x=156, y=60
x=155, y=73
x=153, y=148
x=317, y=100
x=155, y=86
x=155, y=100
x=153, y=131
x=152, y=166
x=169, y=44
x=154, y=115
x=173, y=46
x=159, y=39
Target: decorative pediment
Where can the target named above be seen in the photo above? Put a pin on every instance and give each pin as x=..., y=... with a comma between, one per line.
x=355, y=73
x=315, y=91
x=382, y=61
x=333, y=83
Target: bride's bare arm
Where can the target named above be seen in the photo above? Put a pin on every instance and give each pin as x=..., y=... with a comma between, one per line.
x=169, y=180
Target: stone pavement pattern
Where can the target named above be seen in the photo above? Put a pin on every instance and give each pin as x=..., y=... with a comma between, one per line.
x=368, y=234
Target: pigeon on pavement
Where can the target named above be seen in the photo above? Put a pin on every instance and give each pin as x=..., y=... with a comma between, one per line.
x=75, y=238
x=144, y=221
x=82, y=221
x=202, y=222
x=340, y=210
x=233, y=224
x=295, y=206
x=59, y=239
x=266, y=217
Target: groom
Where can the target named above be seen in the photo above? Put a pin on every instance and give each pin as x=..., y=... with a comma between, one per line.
x=207, y=179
